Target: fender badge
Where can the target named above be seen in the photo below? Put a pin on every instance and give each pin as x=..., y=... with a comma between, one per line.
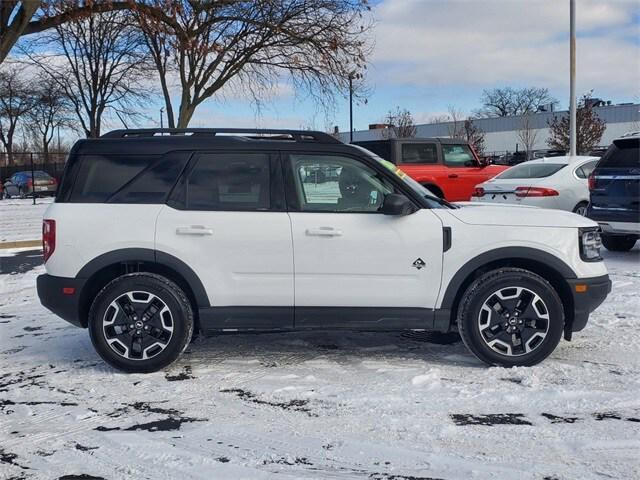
x=419, y=263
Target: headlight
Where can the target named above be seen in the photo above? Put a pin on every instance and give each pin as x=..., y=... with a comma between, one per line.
x=590, y=244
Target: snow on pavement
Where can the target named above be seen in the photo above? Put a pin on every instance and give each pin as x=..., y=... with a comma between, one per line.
x=29, y=216
x=318, y=405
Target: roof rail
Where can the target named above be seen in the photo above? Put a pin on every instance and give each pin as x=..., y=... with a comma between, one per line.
x=255, y=133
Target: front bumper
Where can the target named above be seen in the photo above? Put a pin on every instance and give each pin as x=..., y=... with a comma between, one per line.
x=588, y=294
x=55, y=294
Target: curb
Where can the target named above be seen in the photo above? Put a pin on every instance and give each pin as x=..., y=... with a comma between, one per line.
x=21, y=244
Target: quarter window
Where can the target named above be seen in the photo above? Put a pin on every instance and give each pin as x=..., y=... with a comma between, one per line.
x=585, y=170
x=228, y=181
x=337, y=184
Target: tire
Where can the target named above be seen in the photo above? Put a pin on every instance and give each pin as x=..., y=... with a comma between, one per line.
x=484, y=328
x=156, y=340
x=581, y=209
x=619, y=243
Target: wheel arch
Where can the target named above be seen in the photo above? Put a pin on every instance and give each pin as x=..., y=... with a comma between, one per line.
x=105, y=268
x=549, y=267
x=433, y=188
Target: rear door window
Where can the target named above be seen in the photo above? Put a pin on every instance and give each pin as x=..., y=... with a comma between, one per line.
x=419, y=153
x=229, y=182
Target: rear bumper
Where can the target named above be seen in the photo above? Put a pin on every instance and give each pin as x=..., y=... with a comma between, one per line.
x=51, y=291
x=620, y=228
x=585, y=302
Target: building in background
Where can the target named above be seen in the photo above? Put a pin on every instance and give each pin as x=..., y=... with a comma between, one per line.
x=501, y=133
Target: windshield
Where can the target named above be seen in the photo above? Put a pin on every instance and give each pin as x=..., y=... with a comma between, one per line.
x=432, y=200
x=531, y=170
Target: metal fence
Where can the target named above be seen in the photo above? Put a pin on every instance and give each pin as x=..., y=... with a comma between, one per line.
x=52, y=163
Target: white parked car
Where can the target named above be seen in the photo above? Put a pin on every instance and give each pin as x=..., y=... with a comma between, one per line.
x=557, y=182
x=153, y=237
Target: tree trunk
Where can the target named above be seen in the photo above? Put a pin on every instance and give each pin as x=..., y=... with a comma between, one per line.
x=186, y=112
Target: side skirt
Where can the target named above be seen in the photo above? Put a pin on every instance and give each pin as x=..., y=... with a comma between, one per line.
x=270, y=319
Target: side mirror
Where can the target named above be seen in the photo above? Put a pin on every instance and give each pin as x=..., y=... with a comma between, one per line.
x=396, y=204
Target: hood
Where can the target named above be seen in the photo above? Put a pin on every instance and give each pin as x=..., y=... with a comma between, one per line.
x=517, y=216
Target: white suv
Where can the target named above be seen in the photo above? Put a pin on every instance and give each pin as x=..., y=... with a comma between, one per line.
x=157, y=233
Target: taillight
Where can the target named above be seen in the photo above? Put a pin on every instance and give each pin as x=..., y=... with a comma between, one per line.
x=592, y=182
x=48, y=238
x=478, y=192
x=30, y=183
x=536, y=192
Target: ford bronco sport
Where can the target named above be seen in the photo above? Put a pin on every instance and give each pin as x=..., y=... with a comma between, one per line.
x=156, y=234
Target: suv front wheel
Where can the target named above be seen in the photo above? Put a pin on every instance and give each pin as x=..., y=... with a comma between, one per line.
x=511, y=317
x=140, y=322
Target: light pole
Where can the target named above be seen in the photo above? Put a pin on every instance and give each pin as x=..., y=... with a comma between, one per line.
x=572, y=77
x=351, y=107
x=161, y=110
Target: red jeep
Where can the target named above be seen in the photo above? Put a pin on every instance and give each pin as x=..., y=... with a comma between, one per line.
x=447, y=166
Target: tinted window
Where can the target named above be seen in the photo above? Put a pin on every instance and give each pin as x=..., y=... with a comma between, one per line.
x=228, y=181
x=100, y=176
x=347, y=186
x=532, y=170
x=154, y=183
x=585, y=170
x=382, y=148
x=458, y=156
x=622, y=154
x=419, y=153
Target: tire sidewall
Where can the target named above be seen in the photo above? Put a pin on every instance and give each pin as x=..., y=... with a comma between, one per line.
x=169, y=293
x=480, y=291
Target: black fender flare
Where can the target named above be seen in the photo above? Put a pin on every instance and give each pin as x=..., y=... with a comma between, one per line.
x=134, y=255
x=526, y=254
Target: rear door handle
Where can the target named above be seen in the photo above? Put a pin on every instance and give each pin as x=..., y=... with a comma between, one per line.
x=324, y=232
x=198, y=230
x=453, y=175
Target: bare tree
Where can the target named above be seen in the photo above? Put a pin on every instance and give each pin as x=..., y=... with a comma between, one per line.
x=249, y=45
x=399, y=123
x=456, y=124
x=527, y=134
x=507, y=101
x=589, y=129
x=51, y=109
x=15, y=101
x=26, y=17
x=474, y=135
x=100, y=66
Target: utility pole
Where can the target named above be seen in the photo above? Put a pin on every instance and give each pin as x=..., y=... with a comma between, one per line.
x=572, y=77
x=161, y=110
x=351, y=108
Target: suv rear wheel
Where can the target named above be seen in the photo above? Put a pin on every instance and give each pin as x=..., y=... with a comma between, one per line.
x=511, y=317
x=140, y=322
x=619, y=243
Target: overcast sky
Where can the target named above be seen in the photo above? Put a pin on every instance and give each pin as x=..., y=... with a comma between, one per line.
x=430, y=54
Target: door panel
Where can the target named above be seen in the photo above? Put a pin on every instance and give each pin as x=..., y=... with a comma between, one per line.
x=371, y=263
x=348, y=254
x=223, y=221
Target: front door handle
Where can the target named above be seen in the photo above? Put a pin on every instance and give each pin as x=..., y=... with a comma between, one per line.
x=324, y=232
x=453, y=175
x=198, y=230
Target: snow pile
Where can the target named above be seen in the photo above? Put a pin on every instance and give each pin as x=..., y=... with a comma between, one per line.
x=320, y=405
x=21, y=220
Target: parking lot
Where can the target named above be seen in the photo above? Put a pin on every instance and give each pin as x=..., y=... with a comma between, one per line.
x=317, y=405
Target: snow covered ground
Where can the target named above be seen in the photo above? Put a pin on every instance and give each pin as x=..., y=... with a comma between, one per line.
x=21, y=220
x=317, y=405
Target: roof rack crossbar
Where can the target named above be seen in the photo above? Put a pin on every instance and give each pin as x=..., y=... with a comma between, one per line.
x=296, y=135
